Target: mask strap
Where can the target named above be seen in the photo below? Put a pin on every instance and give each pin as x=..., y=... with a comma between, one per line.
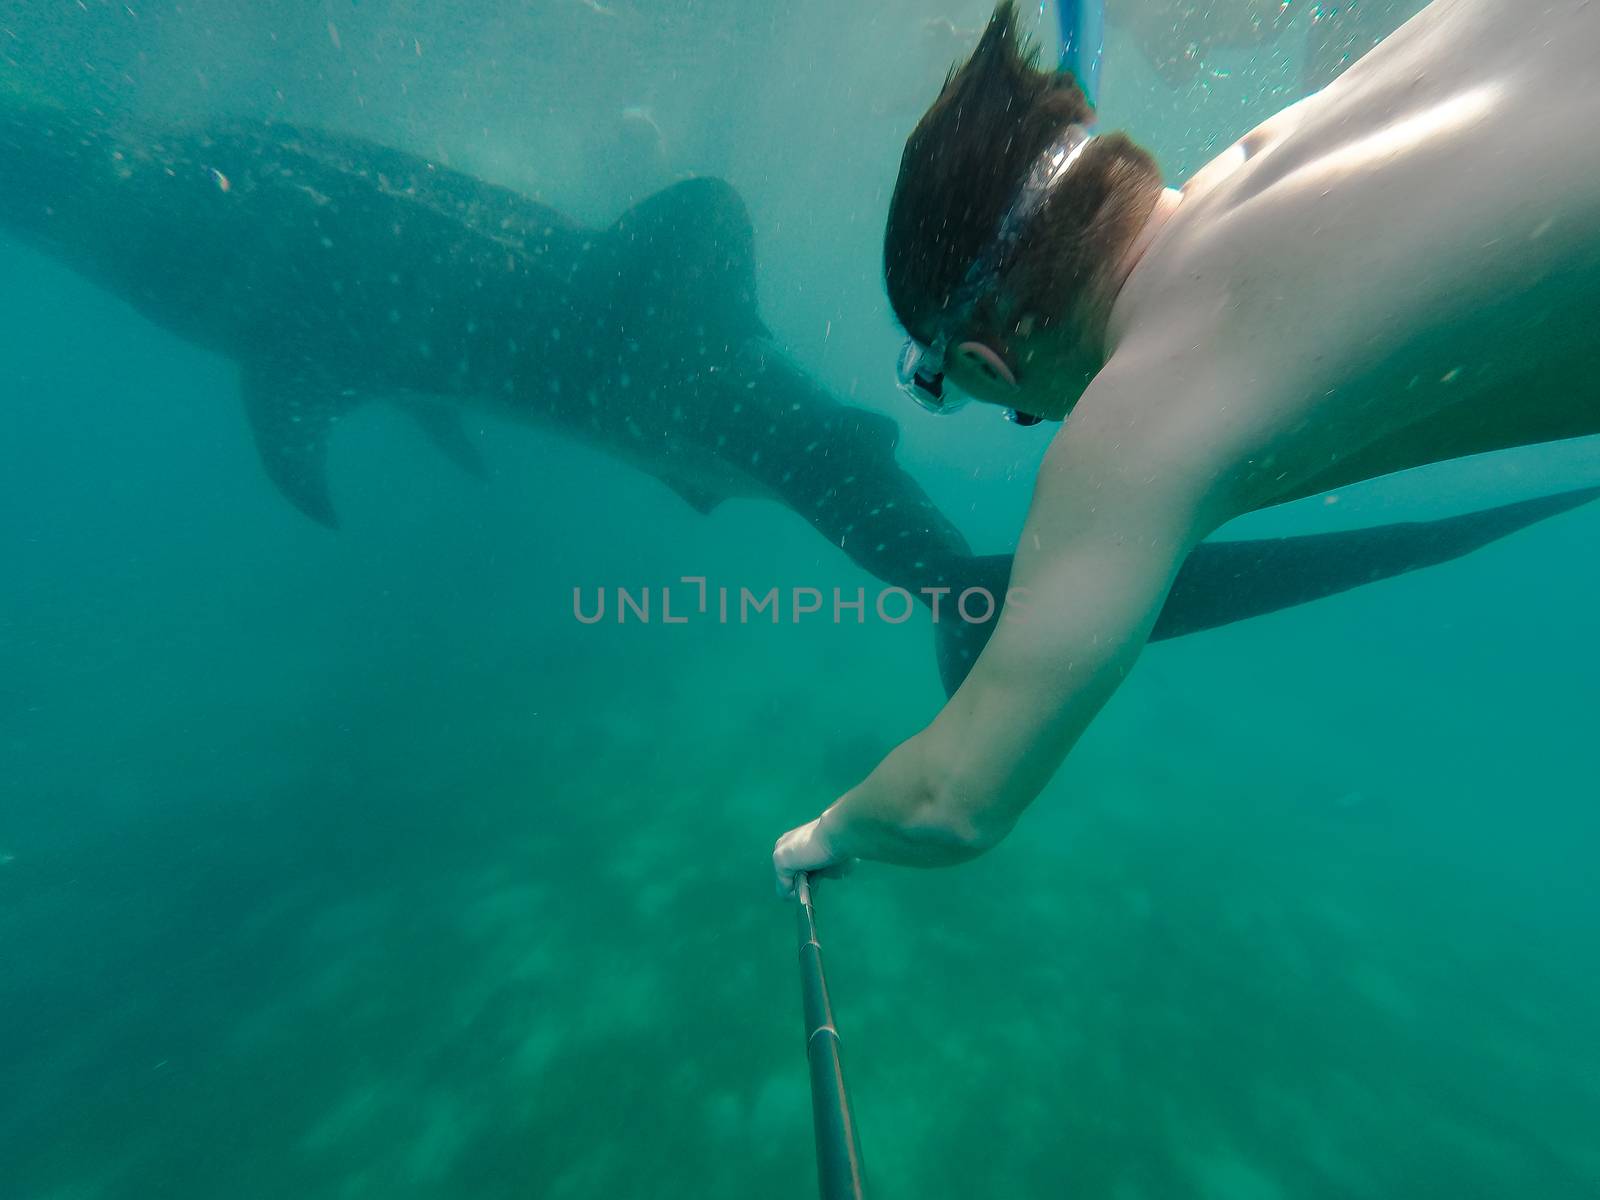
x=1044, y=176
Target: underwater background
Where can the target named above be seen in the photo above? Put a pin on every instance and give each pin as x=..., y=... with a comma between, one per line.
x=351, y=865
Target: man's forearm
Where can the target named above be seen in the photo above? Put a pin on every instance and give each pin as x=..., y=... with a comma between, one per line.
x=1112, y=519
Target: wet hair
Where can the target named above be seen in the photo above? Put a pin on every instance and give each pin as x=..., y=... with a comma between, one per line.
x=961, y=172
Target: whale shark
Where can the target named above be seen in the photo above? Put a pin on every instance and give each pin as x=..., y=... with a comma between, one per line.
x=336, y=272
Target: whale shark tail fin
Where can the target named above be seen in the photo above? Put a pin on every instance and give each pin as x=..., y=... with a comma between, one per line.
x=1227, y=581
x=958, y=642
x=686, y=256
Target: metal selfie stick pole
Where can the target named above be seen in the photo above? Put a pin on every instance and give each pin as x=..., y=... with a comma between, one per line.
x=840, y=1175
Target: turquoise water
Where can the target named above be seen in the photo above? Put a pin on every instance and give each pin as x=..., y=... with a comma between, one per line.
x=351, y=866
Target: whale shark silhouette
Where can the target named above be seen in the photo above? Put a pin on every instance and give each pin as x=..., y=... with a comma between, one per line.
x=337, y=272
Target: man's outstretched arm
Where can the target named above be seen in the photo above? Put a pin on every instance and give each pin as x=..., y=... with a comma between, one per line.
x=1114, y=515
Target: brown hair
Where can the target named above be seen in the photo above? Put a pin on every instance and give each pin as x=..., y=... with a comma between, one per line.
x=960, y=174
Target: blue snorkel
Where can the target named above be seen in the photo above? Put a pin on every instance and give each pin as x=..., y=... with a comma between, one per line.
x=1083, y=42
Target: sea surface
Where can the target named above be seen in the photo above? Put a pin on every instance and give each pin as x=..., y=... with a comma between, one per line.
x=351, y=865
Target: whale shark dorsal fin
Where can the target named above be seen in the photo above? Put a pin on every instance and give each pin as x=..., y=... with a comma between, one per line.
x=688, y=253
x=291, y=412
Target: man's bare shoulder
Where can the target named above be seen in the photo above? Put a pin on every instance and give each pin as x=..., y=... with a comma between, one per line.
x=1168, y=433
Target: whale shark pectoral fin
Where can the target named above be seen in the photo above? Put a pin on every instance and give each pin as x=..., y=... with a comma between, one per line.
x=291, y=412
x=444, y=428
x=688, y=253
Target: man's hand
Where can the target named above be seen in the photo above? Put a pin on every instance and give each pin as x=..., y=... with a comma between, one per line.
x=805, y=849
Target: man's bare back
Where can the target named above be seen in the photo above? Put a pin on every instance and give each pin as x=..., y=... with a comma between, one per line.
x=1400, y=269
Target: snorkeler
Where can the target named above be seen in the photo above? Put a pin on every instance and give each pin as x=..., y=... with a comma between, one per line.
x=1384, y=275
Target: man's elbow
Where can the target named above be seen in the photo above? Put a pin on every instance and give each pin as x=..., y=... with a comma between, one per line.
x=954, y=825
